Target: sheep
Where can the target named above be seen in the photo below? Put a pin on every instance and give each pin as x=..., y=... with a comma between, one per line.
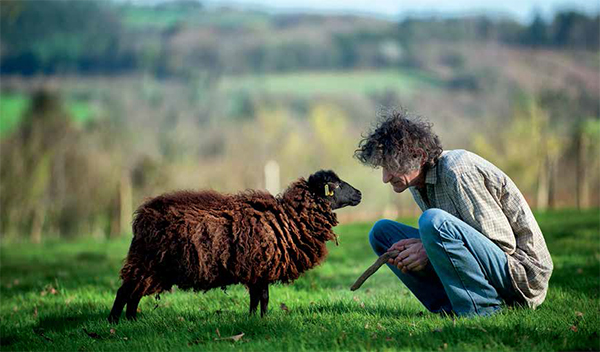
x=204, y=240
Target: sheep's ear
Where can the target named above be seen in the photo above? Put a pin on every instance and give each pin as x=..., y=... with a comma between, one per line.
x=316, y=182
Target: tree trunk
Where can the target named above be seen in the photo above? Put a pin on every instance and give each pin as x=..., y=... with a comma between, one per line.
x=125, y=202
x=552, y=177
x=583, y=186
x=39, y=216
x=543, y=185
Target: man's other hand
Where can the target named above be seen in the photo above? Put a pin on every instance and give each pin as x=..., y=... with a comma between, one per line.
x=412, y=256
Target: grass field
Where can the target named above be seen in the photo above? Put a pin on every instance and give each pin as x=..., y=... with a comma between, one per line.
x=57, y=296
x=146, y=17
x=332, y=82
x=13, y=106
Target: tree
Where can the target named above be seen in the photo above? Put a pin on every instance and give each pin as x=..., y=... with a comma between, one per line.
x=53, y=180
x=527, y=149
x=59, y=35
x=33, y=166
x=536, y=34
x=587, y=140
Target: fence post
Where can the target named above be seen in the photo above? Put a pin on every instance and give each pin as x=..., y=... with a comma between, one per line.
x=272, y=177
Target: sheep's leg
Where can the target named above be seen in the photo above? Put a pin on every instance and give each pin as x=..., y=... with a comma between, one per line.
x=264, y=300
x=255, y=292
x=132, y=305
x=122, y=296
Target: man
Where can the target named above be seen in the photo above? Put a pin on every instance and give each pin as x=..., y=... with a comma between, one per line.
x=477, y=245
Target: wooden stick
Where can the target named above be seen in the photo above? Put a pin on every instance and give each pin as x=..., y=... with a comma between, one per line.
x=373, y=268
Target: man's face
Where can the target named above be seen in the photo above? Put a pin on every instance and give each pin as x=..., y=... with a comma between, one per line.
x=400, y=182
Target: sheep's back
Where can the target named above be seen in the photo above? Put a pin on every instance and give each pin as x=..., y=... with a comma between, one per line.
x=199, y=240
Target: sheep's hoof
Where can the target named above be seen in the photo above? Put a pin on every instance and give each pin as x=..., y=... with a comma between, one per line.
x=113, y=319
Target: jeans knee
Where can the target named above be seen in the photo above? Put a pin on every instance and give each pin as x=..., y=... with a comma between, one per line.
x=429, y=223
x=378, y=231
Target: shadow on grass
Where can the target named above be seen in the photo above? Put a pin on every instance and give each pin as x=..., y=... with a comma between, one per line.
x=69, y=272
x=581, y=279
x=66, y=322
x=410, y=331
x=486, y=335
x=400, y=328
x=59, y=324
x=333, y=308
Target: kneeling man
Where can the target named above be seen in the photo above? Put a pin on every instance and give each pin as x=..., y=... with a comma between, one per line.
x=478, y=244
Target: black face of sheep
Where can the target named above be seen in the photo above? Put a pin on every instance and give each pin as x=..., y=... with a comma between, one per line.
x=204, y=240
x=327, y=184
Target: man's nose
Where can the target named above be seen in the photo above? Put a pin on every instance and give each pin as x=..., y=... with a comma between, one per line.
x=386, y=176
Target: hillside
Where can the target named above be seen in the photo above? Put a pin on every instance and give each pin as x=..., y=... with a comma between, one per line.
x=183, y=96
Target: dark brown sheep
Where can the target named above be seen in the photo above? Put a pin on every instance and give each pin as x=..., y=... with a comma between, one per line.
x=204, y=240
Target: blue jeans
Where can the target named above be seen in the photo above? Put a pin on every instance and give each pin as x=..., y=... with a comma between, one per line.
x=467, y=273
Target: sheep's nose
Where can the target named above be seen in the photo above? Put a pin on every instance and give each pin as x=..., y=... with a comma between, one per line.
x=357, y=197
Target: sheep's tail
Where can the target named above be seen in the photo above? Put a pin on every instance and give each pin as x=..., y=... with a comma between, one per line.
x=134, y=269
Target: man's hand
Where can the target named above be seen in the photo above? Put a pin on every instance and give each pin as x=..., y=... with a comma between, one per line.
x=412, y=256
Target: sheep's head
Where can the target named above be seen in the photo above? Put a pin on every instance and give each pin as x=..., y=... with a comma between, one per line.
x=326, y=184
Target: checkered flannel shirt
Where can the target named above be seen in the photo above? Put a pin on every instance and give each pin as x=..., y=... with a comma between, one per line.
x=477, y=192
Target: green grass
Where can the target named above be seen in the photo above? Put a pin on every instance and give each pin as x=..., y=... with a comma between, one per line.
x=53, y=295
x=331, y=82
x=13, y=106
x=146, y=17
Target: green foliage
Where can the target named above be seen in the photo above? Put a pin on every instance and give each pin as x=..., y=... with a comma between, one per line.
x=56, y=296
x=49, y=174
x=175, y=15
x=58, y=36
x=149, y=17
x=591, y=128
x=523, y=144
x=194, y=97
x=13, y=107
x=176, y=37
x=572, y=29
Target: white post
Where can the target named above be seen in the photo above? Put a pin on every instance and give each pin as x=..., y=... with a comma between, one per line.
x=272, y=177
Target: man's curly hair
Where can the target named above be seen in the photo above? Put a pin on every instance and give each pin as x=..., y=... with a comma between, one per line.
x=395, y=141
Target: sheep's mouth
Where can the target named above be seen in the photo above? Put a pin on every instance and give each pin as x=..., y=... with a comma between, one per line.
x=350, y=202
x=355, y=200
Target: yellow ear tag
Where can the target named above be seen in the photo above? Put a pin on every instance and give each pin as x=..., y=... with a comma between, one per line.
x=328, y=193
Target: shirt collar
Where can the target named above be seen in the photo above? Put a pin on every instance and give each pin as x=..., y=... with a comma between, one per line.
x=431, y=175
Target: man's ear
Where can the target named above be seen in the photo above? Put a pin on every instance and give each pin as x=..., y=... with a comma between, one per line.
x=422, y=156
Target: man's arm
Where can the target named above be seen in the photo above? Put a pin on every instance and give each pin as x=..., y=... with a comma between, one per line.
x=477, y=201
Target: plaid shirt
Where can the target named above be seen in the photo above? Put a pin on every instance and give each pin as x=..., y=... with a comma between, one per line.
x=477, y=192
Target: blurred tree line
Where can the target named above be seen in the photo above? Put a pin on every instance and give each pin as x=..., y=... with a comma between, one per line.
x=58, y=179
x=62, y=36
x=181, y=98
x=91, y=37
